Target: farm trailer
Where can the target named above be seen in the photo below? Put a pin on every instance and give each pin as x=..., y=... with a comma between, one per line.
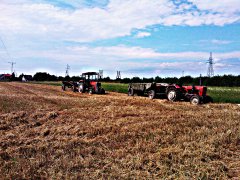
x=173, y=92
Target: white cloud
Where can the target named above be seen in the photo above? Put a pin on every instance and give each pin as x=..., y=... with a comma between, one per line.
x=142, y=34
x=47, y=22
x=129, y=58
x=30, y=26
x=220, y=42
x=221, y=6
x=216, y=42
x=91, y=55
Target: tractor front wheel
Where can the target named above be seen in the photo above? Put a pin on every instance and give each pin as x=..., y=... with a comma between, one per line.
x=195, y=100
x=90, y=91
x=63, y=87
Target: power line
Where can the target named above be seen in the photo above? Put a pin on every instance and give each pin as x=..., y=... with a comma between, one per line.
x=5, y=48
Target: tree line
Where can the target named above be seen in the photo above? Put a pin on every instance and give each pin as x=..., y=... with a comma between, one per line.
x=225, y=80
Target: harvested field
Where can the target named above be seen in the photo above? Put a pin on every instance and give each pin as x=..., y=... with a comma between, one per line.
x=49, y=134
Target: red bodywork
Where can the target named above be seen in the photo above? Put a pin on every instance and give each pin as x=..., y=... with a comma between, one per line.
x=94, y=85
x=197, y=90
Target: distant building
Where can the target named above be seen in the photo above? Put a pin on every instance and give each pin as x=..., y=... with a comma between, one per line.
x=26, y=78
x=5, y=77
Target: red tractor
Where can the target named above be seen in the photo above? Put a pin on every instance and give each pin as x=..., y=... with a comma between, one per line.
x=89, y=83
x=173, y=92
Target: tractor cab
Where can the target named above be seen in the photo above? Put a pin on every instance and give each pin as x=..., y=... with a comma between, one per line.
x=91, y=76
x=90, y=82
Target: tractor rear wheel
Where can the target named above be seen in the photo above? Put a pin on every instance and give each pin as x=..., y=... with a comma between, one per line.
x=151, y=94
x=172, y=94
x=130, y=92
x=195, y=100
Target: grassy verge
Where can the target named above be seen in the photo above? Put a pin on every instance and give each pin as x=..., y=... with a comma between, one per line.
x=115, y=87
x=53, y=83
x=225, y=94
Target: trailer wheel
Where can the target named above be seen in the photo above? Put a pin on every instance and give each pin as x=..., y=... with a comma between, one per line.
x=81, y=88
x=73, y=88
x=151, y=94
x=172, y=94
x=195, y=100
x=63, y=87
x=130, y=92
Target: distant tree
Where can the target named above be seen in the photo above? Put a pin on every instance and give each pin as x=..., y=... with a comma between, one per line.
x=20, y=77
x=126, y=80
x=158, y=79
x=106, y=79
x=172, y=80
x=185, y=80
x=136, y=80
x=43, y=76
x=148, y=80
x=60, y=78
x=75, y=78
x=13, y=77
x=67, y=78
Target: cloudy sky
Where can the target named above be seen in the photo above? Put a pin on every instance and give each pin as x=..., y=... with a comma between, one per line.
x=137, y=37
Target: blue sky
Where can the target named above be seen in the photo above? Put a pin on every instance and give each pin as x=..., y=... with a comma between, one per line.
x=136, y=37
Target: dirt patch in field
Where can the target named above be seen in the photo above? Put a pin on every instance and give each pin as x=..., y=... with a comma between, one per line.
x=47, y=133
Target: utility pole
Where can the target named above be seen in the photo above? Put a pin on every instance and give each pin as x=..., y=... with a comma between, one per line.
x=118, y=75
x=100, y=74
x=12, y=64
x=200, y=80
x=67, y=70
x=210, y=72
x=182, y=73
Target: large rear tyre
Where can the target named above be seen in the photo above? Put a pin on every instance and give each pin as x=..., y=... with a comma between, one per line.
x=130, y=92
x=172, y=94
x=195, y=100
x=151, y=94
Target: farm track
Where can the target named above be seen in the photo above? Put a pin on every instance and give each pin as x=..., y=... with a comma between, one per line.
x=46, y=133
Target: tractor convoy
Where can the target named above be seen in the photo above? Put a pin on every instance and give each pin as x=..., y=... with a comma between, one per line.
x=173, y=92
x=89, y=82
